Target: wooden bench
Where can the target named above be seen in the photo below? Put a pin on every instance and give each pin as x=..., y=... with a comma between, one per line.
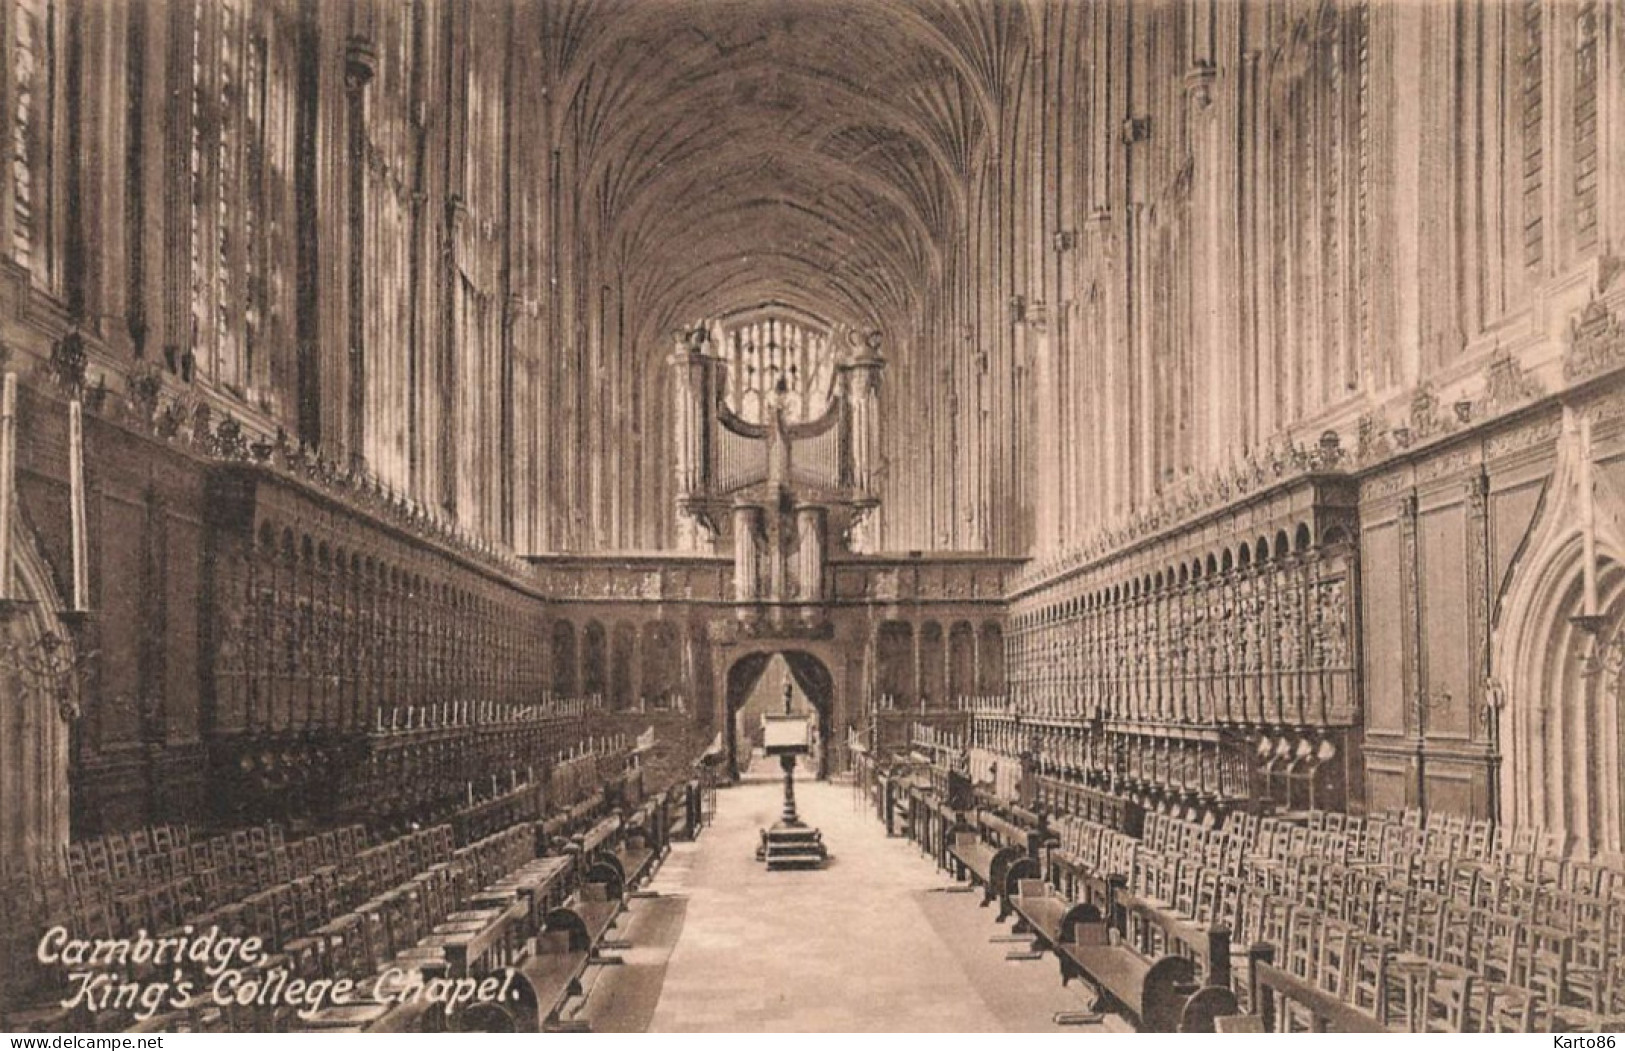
x=1274, y=988
x=1050, y=919
x=539, y=882
x=995, y=854
x=549, y=977
x=593, y=839
x=566, y=946
x=1161, y=993
x=1007, y=833
x=587, y=917
x=634, y=859
x=682, y=811
x=494, y=933
x=476, y=946
x=939, y=819
x=981, y=862
x=1151, y=929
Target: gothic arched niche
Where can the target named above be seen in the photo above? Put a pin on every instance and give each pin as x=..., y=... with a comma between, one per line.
x=932, y=662
x=594, y=677
x=1556, y=664
x=662, y=662
x=894, y=653
x=990, y=677
x=564, y=658
x=620, y=666
x=34, y=734
x=961, y=660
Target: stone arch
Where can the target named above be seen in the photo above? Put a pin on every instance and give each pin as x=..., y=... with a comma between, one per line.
x=622, y=683
x=35, y=736
x=594, y=660
x=1558, y=711
x=961, y=659
x=990, y=660
x=563, y=647
x=933, y=663
x=894, y=677
x=813, y=665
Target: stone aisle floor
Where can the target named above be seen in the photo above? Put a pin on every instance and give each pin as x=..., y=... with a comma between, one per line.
x=874, y=942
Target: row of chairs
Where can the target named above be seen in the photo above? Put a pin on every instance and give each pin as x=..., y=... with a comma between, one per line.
x=117, y=855
x=1416, y=958
x=576, y=779
x=117, y=860
x=396, y=891
x=197, y=879
x=403, y=925
x=523, y=803
x=1534, y=853
x=1422, y=936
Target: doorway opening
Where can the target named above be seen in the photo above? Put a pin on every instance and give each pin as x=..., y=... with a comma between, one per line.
x=755, y=686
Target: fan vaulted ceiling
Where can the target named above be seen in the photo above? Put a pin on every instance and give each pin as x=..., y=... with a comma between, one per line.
x=813, y=152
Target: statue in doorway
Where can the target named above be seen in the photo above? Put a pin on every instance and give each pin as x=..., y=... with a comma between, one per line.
x=789, y=692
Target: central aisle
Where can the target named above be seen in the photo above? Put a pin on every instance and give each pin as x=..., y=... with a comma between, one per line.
x=873, y=942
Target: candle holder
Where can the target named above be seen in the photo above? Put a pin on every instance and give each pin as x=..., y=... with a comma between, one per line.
x=52, y=664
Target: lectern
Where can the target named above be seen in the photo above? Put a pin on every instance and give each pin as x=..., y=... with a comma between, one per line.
x=789, y=844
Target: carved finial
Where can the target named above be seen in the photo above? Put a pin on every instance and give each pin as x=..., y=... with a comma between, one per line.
x=1596, y=343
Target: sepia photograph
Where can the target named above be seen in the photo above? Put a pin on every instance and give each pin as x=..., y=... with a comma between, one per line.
x=1094, y=517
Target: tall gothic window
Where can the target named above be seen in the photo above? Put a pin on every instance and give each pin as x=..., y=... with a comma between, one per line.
x=1585, y=126
x=228, y=164
x=33, y=82
x=766, y=353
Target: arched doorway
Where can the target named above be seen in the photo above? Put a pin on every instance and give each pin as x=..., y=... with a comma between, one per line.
x=42, y=703
x=1557, y=658
x=812, y=680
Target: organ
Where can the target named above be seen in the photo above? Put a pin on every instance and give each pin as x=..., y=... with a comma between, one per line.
x=777, y=429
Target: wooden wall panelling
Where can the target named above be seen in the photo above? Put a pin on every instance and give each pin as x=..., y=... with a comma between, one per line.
x=1445, y=623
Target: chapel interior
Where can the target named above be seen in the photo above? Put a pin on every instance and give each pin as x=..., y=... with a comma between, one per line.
x=1170, y=453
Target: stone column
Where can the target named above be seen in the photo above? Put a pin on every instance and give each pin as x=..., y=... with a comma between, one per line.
x=1048, y=445
x=635, y=679
x=777, y=569
x=746, y=517
x=863, y=393
x=810, y=564
x=359, y=62
x=689, y=366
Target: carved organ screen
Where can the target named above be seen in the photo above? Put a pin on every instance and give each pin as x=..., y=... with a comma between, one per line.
x=760, y=398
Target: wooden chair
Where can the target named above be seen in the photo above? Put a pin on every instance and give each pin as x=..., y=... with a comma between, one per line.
x=118, y=856
x=1369, y=986
x=1446, y=1002
x=1545, y=963
x=1303, y=944
x=1339, y=943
